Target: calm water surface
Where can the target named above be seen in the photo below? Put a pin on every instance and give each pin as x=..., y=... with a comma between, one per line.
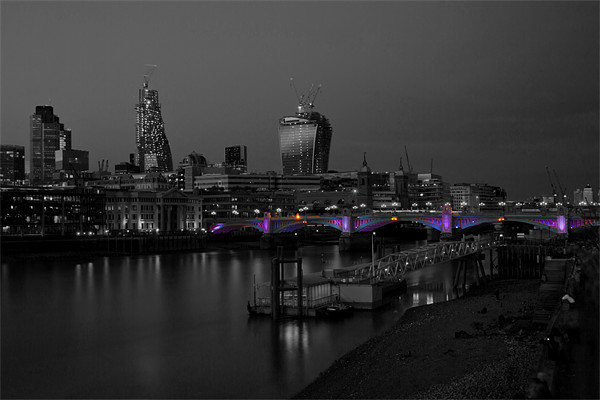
x=175, y=326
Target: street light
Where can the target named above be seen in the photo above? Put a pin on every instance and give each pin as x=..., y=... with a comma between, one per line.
x=372, y=254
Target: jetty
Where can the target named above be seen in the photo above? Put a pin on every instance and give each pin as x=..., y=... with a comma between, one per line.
x=362, y=286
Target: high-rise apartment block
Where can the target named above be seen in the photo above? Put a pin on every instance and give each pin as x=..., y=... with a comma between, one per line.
x=305, y=139
x=47, y=135
x=237, y=157
x=153, y=150
x=12, y=163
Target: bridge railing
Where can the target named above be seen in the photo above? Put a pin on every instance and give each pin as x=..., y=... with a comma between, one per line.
x=394, y=266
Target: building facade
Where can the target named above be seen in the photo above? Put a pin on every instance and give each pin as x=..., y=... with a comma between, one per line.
x=60, y=211
x=148, y=211
x=12, y=164
x=153, y=150
x=68, y=160
x=304, y=143
x=475, y=197
x=246, y=204
x=227, y=182
x=588, y=195
x=237, y=157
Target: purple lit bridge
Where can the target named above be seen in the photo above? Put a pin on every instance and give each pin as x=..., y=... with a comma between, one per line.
x=445, y=221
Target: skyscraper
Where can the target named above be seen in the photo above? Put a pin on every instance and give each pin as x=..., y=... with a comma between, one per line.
x=237, y=157
x=153, y=150
x=45, y=134
x=305, y=139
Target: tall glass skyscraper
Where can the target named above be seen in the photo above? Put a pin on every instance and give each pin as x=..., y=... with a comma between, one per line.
x=153, y=150
x=304, y=142
x=47, y=135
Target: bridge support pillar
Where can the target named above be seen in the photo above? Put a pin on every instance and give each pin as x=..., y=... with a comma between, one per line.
x=346, y=241
x=446, y=233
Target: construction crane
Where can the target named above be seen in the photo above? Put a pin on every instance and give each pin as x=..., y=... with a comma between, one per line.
x=149, y=71
x=306, y=102
x=562, y=190
x=408, y=161
x=554, y=193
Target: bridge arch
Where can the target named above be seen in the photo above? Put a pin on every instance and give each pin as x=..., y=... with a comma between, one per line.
x=225, y=227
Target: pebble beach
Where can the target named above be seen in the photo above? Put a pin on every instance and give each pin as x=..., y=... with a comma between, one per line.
x=479, y=346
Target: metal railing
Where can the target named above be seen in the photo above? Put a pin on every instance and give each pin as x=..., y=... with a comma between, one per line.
x=393, y=266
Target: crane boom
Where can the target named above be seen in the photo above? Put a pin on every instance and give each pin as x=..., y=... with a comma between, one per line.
x=407, y=160
x=305, y=101
x=562, y=190
x=295, y=90
x=554, y=193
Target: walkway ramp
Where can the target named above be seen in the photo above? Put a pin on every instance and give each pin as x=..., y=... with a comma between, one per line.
x=392, y=267
x=551, y=289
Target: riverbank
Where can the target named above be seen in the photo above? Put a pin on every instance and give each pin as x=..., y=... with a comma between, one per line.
x=478, y=346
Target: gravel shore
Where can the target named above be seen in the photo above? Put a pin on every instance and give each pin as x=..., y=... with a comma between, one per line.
x=478, y=346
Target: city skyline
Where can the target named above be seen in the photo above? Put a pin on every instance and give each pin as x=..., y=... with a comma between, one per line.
x=489, y=91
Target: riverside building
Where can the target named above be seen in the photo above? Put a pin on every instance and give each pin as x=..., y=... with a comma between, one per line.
x=153, y=150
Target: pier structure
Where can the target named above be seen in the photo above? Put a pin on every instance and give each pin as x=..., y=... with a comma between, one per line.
x=392, y=267
x=279, y=285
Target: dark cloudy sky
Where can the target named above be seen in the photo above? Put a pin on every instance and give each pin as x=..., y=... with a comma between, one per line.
x=491, y=91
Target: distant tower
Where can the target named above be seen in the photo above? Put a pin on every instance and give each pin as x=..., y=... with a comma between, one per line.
x=45, y=135
x=237, y=157
x=305, y=139
x=365, y=184
x=153, y=150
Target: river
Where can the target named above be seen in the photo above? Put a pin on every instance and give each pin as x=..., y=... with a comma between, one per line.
x=176, y=326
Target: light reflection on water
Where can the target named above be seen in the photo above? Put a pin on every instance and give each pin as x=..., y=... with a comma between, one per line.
x=176, y=325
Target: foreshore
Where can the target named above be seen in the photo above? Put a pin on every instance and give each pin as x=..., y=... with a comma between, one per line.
x=478, y=346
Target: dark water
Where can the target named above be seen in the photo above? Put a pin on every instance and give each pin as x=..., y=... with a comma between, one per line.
x=175, y=326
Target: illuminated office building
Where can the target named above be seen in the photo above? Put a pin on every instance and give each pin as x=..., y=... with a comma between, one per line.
x=304, y=140
x=12, y=163
x=47, y=135
x=153, y=150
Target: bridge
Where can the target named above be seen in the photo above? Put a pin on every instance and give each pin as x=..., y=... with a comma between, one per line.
x=392, y=267
x=445, y=222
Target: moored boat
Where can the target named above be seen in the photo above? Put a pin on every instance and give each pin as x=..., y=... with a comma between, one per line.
x=335, y=310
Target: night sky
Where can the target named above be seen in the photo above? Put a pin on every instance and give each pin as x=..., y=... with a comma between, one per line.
x=491, y=91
